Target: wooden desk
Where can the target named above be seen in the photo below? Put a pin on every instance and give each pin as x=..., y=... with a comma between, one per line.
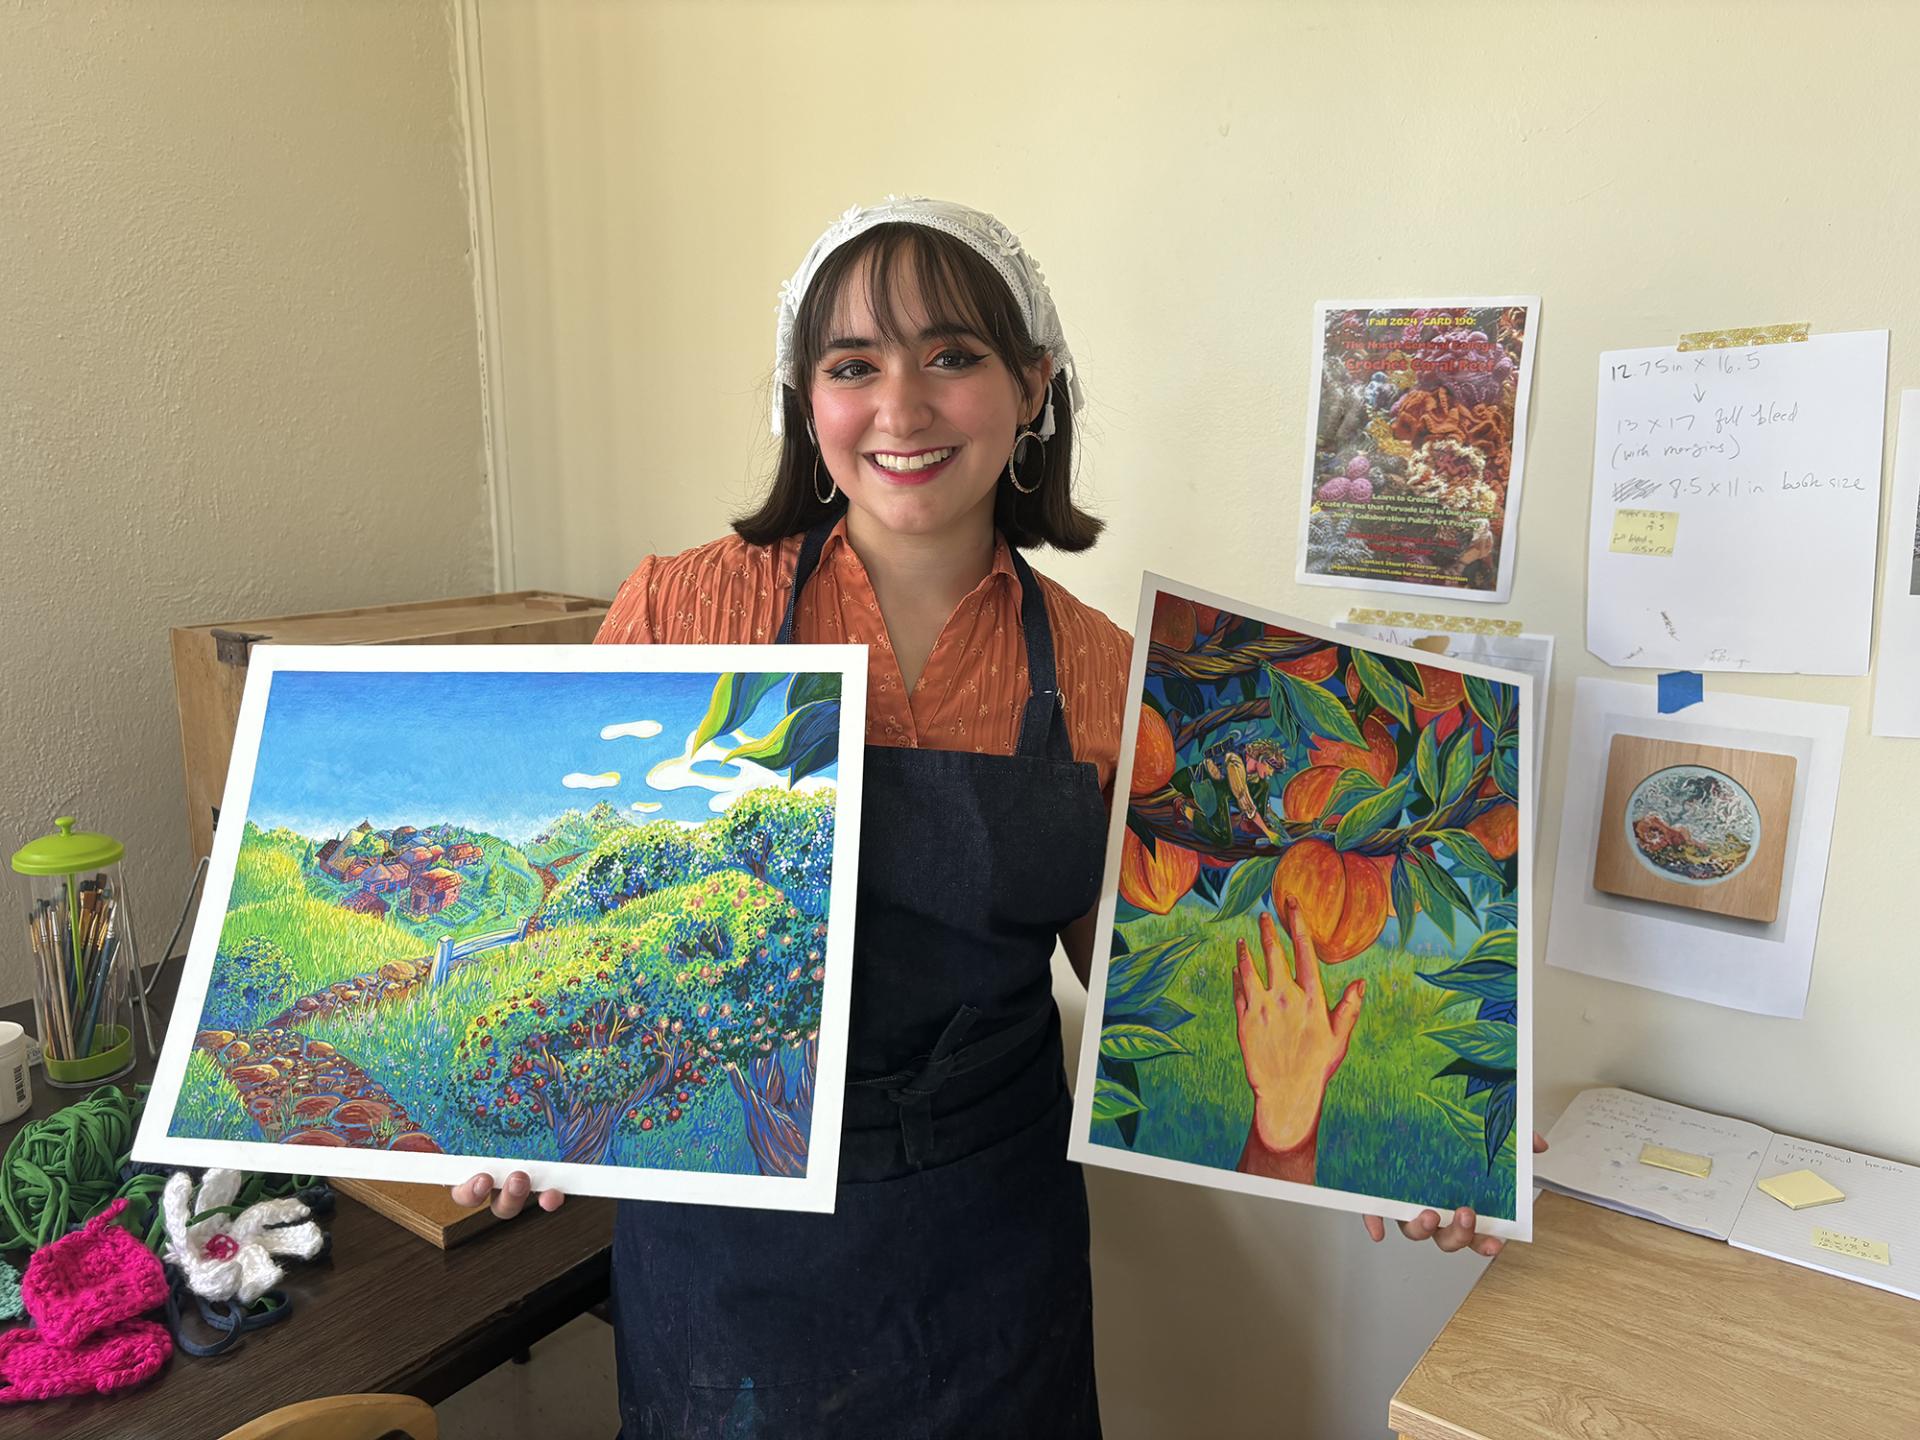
x=387, y=1312
x=1607, y=1326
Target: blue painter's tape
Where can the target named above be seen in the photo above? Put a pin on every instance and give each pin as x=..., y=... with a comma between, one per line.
x=1679, y=689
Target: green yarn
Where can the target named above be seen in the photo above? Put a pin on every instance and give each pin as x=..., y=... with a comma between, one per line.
x=62, y=1171
x=11, y=1306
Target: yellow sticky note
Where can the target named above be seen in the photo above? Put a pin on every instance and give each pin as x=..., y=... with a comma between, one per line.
x=1644, y=532
x=1698, y=1166
x=1798, y=1189
x=1852, y=1246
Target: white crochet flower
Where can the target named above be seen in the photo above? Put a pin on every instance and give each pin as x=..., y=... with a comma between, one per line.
x=225, y=1256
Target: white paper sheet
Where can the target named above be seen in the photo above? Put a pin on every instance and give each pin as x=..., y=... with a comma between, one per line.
x=1882, y=1204
x=1530, y=654
x=1896, y=684
x=1593, y=1154
x=1738, y=963
x=1766, y=464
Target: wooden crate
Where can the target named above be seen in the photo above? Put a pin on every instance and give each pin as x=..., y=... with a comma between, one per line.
x=210, y=663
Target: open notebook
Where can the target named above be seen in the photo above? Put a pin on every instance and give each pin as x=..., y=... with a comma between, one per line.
x=1872, y=1235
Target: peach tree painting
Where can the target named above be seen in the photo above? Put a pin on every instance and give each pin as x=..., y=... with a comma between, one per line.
x=434, y=943
x=1314, y=970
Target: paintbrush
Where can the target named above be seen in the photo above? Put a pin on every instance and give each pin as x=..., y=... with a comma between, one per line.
x=54, y=981
x=96, y=987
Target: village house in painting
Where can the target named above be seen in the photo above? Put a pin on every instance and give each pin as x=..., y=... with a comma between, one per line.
x=381, y=863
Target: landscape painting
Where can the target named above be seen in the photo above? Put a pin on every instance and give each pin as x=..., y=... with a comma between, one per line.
x=1315, y=977
x=580, y=910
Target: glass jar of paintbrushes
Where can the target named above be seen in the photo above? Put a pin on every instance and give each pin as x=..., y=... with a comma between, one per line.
x=79, y=935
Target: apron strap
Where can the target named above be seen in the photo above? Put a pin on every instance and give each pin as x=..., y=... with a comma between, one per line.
x=1043, y=726
x=810, y=550
x=912, y=1090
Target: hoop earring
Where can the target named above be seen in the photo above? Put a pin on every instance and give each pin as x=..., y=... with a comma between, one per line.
x=1013, y=455
x=833, y=489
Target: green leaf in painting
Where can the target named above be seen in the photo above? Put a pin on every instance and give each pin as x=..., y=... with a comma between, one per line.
x=1446, y=887
x=1111, y=1100
x=1371, y=815
x=810, y=686
x=1488, y=979
x=1351, y=784
x=1387, y=691
x=735, y=697
x=1137, y=1042
x=1426, y=761
x=1458, y=764
x=1462, y=1121
x=1472, y=855
x=1480, y=699
x=1136, y=980
x=1406, y=903
x=1500, y=1114
x=1183, y=694
x=1247, y=886
x=1485, y=1042
x=1438, y=907
x=1318, y=708
x=805, y=742
x=1501, y=945
x=1506, y=766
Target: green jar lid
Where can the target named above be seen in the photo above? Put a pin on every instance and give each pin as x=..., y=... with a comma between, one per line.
x=68, y=853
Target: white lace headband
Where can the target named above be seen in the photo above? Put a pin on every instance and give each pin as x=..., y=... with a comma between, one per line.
x=999, y=246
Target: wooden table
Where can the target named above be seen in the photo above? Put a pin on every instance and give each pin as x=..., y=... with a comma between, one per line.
x=386, y=1312
x=1608, y=1326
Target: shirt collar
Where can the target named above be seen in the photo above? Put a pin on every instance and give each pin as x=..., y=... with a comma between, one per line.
x=837, y=545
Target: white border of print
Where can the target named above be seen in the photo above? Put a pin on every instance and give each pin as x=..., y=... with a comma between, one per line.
x=814, y=1191
x=1080, y=1148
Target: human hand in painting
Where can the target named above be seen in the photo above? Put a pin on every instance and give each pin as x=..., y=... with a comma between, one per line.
x=1291, y=1045
x=510, y=1199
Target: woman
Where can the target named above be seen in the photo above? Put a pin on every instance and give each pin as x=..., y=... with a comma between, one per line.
x=926, y=397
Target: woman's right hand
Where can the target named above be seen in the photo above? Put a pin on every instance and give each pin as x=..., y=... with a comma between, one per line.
x=510, y=1199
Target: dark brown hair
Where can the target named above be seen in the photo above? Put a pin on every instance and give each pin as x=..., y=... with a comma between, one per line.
x=958, y=287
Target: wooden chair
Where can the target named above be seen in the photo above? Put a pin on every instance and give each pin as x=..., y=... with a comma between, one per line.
x=344, y=1417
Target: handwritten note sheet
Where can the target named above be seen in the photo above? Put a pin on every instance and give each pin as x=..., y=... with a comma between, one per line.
x=1872, y=1236
x=1896, y=678
x=1764, y=465
x=1594, y=1150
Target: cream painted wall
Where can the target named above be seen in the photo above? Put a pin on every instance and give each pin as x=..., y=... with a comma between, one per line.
x=239, y=370
x=1194, y=177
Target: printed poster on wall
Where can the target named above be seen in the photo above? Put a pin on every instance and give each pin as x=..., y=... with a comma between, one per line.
x=1314, y=982
x=584, y=911
x=1417, y=444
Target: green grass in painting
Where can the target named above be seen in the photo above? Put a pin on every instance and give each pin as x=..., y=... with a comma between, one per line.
x=209, y=1107
x=1378, y=1135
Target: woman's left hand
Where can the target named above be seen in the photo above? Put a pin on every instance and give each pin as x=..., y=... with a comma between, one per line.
x=1455, y=1234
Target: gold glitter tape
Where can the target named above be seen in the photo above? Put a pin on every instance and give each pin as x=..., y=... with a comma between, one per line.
x=1743, y=339
x=1450, y=624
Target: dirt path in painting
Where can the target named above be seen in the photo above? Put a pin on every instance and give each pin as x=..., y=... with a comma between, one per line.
x=396, y=980
x=550, y=874
x=305, y=1092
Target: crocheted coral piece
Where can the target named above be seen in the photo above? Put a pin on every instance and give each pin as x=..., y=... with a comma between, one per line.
x=11, y=1307
x=92, y=1279
x=117, y=1358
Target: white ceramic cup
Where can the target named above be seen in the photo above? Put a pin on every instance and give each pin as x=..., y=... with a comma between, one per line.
x=16, y=1090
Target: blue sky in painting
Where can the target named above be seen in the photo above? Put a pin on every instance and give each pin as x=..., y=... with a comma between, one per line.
x=490, y=750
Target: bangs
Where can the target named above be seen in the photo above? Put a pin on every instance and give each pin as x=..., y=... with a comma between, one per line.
x=958, y=288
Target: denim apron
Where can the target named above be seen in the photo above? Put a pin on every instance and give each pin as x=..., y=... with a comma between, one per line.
x=948, y=1293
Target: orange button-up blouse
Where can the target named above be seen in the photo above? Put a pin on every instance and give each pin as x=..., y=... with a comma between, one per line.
x=974, y=686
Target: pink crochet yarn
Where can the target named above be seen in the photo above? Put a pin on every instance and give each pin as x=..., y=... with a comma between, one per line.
x=94, y=1278
x=127, y=1354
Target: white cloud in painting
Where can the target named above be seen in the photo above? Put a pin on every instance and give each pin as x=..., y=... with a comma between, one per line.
x=727, y=779
x=638, y=729
x=645, y=807
x=579, y=780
